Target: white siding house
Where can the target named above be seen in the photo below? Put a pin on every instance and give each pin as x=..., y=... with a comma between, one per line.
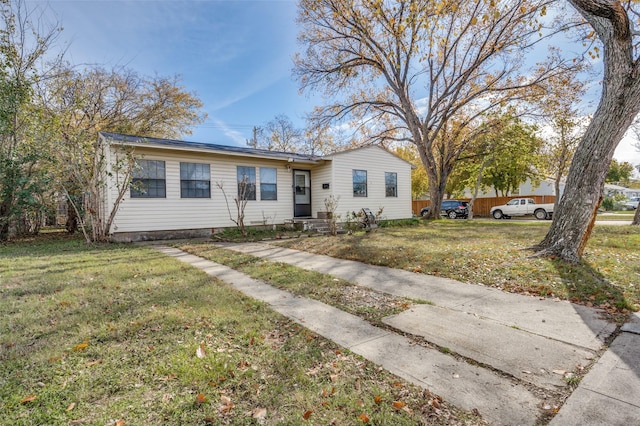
x=188, y=188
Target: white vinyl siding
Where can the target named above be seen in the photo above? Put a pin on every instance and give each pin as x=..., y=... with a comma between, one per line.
x=176, y=213
x=376, y=161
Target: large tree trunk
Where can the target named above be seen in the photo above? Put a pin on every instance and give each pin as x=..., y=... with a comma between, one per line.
x=619, y=104
x=636, y=217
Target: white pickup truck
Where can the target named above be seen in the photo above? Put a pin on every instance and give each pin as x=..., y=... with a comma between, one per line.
x=522, y=207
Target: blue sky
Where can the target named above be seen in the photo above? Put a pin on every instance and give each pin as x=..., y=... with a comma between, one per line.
x=237, y=55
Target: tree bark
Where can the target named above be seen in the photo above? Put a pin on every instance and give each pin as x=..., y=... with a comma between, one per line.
x=619, y=104
x=636, y=217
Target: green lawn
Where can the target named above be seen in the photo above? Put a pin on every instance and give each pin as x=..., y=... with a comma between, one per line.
x=111, y=335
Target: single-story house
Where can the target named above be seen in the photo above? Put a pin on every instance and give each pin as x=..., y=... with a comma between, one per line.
x=189, y=189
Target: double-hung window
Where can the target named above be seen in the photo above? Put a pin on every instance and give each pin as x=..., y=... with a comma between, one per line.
x=246, y=183
x=268, y=183
x=195, y=180
x=391, y=184
x=149, y=179
x=359, y=183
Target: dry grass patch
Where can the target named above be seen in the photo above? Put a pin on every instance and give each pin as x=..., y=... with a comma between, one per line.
x=493, y=254
x=102, y=334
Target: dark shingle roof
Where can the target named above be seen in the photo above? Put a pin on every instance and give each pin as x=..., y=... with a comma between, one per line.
x=200, y=146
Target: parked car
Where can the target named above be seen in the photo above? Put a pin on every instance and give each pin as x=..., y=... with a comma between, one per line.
x=522, y=207
x=452, y=209
x=632, y=203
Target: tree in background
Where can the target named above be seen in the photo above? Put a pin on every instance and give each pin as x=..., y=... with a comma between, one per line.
x=619, y=104
x=515, y=158
x=421, y=71
x=80, y=103
x=419, y=179
x=566, y=124
x=24, y=42
x=619, y=172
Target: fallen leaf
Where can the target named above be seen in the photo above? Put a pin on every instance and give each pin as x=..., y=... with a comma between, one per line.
x=398, y=405
x=259, y=413
x=92, y=363
x=434, y=403
x=364, y=418
x=559, y=372
x=227, y=405
x=120, y=422
x=200, y=352
x=201, y=399
x=28, y=398
x=71, y=406
x=81, y=346
x=307, y=414
x=377, y=399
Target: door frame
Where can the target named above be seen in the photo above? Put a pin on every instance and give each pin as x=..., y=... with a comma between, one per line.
x=300, y=210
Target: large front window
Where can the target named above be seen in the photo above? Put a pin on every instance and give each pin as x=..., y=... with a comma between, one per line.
x=149, y=179
x=268, y=183
x=359, y=183
x=246, y=183
x=195, y=180
x=391, y=184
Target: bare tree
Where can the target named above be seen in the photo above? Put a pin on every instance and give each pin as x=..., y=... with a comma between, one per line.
x=561, y=110
x=619, y=104
x=78, y=104
x=421, y=71
x=240, y=201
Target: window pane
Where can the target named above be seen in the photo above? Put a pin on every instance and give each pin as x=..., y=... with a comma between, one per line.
x=268, y=183
x=359, y=183
x=267, y=175
x=246, y=182
x=391, y=184
x=195, y=180
x=148, y=179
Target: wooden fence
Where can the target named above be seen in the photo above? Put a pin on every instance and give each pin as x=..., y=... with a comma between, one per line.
x=482, y=206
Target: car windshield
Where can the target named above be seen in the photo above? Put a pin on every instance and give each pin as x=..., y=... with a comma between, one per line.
x=513, y=203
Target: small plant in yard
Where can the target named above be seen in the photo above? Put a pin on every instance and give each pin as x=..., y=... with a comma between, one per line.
x=121, y=334
x=331, y=205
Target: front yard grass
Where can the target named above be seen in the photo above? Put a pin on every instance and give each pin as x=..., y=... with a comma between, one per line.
x=493, y=253
x=123, y=335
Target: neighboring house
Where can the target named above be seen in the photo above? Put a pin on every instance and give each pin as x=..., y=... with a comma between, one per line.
x=611, y=190
x=177, y=186
x=544, y=187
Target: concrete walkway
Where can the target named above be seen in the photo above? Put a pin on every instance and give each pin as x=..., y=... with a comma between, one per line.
x=537, y=342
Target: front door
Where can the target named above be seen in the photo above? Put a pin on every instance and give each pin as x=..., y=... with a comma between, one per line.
x=301, y=193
